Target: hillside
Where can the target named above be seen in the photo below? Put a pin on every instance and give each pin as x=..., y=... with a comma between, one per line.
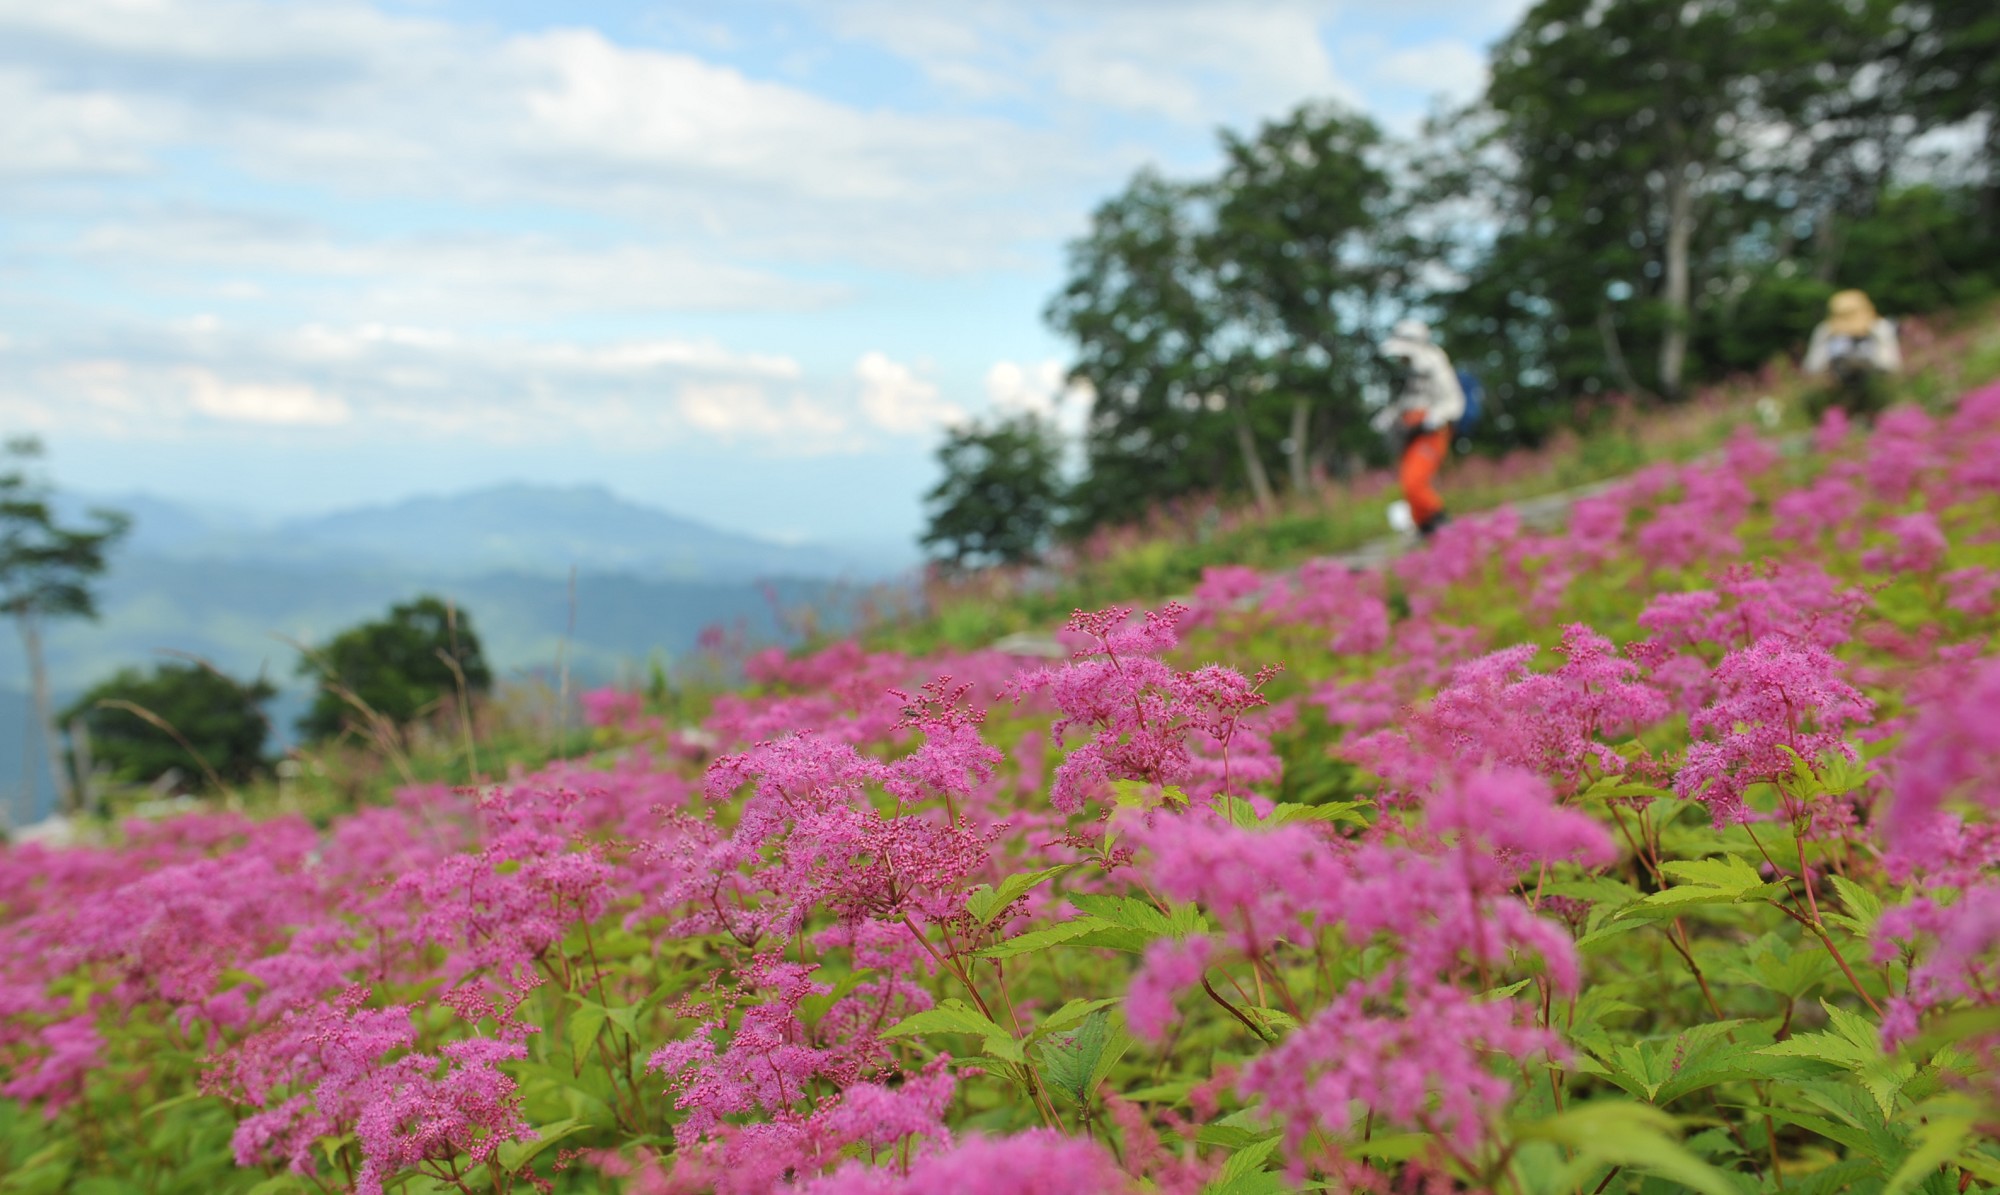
x=215, y=584
x=521, y=528
x=1648, y=853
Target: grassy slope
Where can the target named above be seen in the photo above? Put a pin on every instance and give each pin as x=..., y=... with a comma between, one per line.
x=525, y=729
x=1167, y=556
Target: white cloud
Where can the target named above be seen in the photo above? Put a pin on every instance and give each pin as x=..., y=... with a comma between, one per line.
x=1039, y=388
x=335, y=94
x=1453, y=69
x=733, y=409
x=1192, y=61
x=282, y=404
x=78, y=132
x=419, y=279
x=896, y=400
x=375, y=380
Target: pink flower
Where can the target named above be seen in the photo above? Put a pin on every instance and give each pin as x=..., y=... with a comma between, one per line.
x=1950, y=751
x=1916, y=545
x=1138, y=713
x=1170, y=967
x=1428, y=1059
x=1037, y=1162
x=1779, y=699
x=70, y=1051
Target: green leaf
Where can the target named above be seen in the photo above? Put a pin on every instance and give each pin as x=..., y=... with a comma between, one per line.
x=513, y=1155
x=1608, y=787
x=956, y=1016
x=1346, y=813
x=1042, y=939
x=1722, y=881
x=1137, y=794
x=1114, y=1053
x=1071, y=1013
x=1943, y=1132
x=1615, y=1133
x=1864, y=908
x=1127, y=912
x=985, y=903
x=1243, y=1164
x=951, y=1016
x=1852, y=1043
x=1663, y=1069
x=1069, y=1061
x=584, y=1025
x=1777, y=965
x=1162, y=1093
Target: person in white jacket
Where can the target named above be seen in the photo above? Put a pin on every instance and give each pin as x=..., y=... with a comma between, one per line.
x=1855, y=349
x=1428, y=402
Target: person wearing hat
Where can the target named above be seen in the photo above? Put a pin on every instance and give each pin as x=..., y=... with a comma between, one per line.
x=1854, y=349
x=1427, y=403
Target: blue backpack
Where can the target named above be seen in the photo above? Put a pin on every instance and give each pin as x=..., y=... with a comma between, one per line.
x=1475, y=395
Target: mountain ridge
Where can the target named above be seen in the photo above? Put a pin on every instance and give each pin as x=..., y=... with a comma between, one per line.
x=518, y=527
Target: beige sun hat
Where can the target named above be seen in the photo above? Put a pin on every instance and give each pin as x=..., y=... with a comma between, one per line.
x=1849, y=313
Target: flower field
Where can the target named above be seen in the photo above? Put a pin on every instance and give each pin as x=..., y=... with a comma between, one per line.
x=1655, y=855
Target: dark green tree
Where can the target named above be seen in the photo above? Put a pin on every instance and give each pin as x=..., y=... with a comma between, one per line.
x=1634, y=124
x=1141, y=308
x=1303, y=210
x=46, y=572
x=1001, y=495
x=1954, y=63
x=179, y=716
x=1217, y=319
x=401, y=668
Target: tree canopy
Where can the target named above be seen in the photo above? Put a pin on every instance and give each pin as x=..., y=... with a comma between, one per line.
x=184, y=717
x=1001, y=494
x=1649, y=195
x=401, y=667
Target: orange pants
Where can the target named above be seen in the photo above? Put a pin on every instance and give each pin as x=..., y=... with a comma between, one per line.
x=1422, y=458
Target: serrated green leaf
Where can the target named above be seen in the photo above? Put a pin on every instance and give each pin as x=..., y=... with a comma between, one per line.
x=1635, y=1136
x=1137, y=794
x=1864, y=908
x=1071, y=1013
x=1114, y=1052
x=1338, y=812
x=1127, y=912
x=1042, y=939
x=950, y=1016
x=513, y=1155
x=1243, y=1163
x=1069, y=1060
x=1940, y=1135
x=985, y=903
x=583, y=1027
x=1608, y=787
x=1390, y=1147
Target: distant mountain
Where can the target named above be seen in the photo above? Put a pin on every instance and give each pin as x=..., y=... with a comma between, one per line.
x=529, y=529
x=219, y=585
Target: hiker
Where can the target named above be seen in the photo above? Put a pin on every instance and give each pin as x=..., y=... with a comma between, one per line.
x=1855, y=350
x=1429, y=401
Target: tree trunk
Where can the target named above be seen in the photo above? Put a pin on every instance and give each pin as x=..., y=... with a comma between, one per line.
x=1253, y=465
x=1301, y=430
x=1614, y=353
x=1677, y=289
x=79, y=749
x=45, y=718
x=1826, y=247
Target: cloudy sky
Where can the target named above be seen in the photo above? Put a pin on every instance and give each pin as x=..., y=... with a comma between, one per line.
x=737, y=259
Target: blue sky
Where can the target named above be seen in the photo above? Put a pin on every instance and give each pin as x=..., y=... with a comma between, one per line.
x=740, y=260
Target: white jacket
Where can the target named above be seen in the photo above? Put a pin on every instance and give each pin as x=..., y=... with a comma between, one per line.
x=1432, y=390
x=1879, y=349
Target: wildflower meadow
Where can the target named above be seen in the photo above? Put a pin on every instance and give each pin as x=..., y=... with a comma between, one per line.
x=1651, y=855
